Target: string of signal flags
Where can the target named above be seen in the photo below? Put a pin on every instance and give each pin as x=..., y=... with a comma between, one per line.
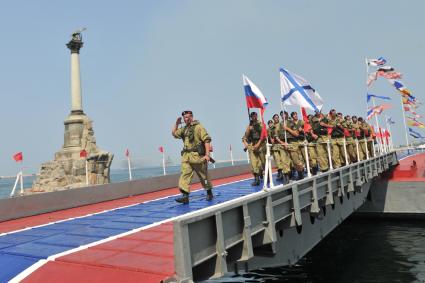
x=409, y=103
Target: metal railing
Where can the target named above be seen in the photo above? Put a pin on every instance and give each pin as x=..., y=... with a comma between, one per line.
x=230, y=232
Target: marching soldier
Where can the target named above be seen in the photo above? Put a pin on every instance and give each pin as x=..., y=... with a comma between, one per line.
x=274, y=150
x=364, y=135
x=256, y=147
x=195, y=155
x=311, y=138
x=337, y=139
x=357, y=138
x=370, y=136
x=292, y=145
x=285, y=160
x=320, y=129
x=349, y=138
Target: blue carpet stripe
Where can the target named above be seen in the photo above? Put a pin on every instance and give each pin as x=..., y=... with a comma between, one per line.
x=20, y=250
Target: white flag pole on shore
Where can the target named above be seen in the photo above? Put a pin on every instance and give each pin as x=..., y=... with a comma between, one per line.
x=22, y=177
x=127, y=155
x=83, y=154
x=161, y=149
x=231, y=155
x=18, y=157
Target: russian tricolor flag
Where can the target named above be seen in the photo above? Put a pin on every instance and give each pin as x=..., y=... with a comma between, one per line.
x=254, y=96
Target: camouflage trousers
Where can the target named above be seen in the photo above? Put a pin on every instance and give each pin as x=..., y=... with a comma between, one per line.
x=370, y=148
x=351, y=150
x=338, y=152
x=322, y=153
x=296, y=156
x=364, y=148
x=257, y=158
x=192, y=162
x=281, y=157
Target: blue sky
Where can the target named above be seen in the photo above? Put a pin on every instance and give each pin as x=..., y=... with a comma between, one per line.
x=144, y=62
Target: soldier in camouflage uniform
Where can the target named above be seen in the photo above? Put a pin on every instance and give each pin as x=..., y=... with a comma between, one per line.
x=370, y=136
x=256, y=147
x=337, y=139
x=364, y=135
x=320, y=126
x=288, y=129
x=285, y=160
x=311, y=138
x=357, y=138
x=195, y=155
x=349, y=138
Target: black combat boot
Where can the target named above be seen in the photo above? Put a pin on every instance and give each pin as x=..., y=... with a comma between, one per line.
x=210, y=195
x=314, y=170
x=279, y=176
x=184, y=199
x=256, y=181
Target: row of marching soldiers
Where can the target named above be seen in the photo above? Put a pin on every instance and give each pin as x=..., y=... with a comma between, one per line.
x=325, y=141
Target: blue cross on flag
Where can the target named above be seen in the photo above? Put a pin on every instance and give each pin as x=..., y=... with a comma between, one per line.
x=295, y=90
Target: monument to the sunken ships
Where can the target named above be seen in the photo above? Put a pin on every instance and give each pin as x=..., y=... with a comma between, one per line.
x=68, y=169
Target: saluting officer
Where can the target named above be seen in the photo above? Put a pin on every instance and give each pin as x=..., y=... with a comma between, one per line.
x=256, y=147
x=195, y=155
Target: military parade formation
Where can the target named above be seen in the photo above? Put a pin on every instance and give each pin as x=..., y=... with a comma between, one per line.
x=315, y=143
x=322, y=141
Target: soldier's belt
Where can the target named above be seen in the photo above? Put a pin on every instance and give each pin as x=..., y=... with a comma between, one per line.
x=186, y=150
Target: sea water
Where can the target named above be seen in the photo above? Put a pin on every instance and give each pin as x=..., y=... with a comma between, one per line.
x=117, y=175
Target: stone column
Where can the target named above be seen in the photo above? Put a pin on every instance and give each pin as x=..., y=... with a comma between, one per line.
x=68, y=169
x=76, y=99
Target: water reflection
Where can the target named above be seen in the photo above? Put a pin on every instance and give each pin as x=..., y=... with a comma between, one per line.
x=357, y=251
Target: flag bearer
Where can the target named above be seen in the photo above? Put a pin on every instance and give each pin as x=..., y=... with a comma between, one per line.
x=195, y=155
x=256, y=147
x=320, y=128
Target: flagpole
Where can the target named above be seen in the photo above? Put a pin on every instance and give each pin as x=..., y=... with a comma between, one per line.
x=284, y=120
x=87, y=173
x=21, y=177
x=377, y=126
x=404, y=121
x=231, y=155
x=129, y=167
x=389, y=131
x=163, y=162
